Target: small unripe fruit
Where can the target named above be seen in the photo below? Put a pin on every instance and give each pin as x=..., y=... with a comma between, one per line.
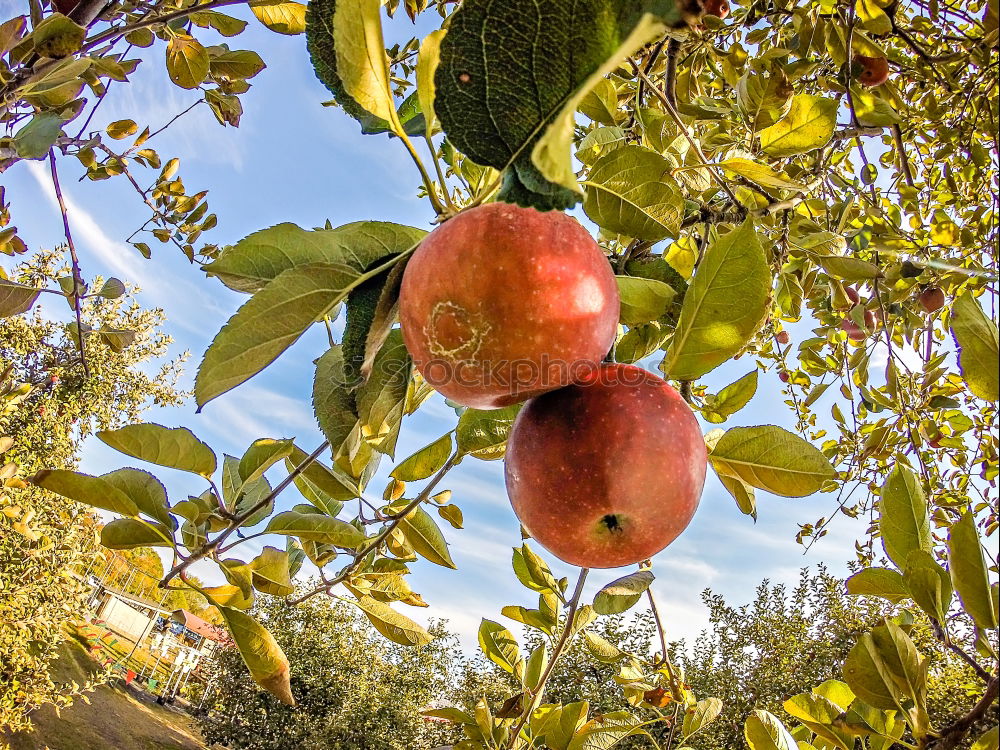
x=784, y=377
x=502, y=303
x=931, y=299
x=607, y=472
x=782, y=337
x=874, y=70
x=718, y=8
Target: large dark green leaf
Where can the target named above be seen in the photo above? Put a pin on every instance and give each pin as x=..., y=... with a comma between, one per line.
x=494, y=105
x=83, y=488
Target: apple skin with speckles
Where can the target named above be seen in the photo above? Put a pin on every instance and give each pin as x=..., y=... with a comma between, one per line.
x=502, y=303
x=607, y=472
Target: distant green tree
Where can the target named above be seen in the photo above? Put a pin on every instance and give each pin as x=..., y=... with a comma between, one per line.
x=48, y=406
x=354, y=690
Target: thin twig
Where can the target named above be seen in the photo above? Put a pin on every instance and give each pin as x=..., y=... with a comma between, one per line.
x=574, y=603
x=207, y=549
x=78, y=285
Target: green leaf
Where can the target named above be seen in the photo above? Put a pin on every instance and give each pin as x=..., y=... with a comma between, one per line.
x=605, y=731
x=34, y=140
x=263, y=656
x=427, y=63
x=903, y=519
x=808, y=126
x=990, y=740
x=394, y=626
x=57, y=36
x=16, y=298
x=494, y=109
x=270, y=322
x=86, y=489
x=621, y=594
x=703, y=713
x=929, y=584
x=333, y=402
x=425, y=461
x=883, y=582
x=261, y=456
x=422, y=533
x=847, y=268
x=281, y=16
x=344, y=38
x=228, y=595
x=173, y=447
x=969, y=572
x=643, y=300
x=630, y=191
x=322, y=486
x=551, y=153
x=884, y=667
x=764, y=731
x=129, y=533
x=761, y=174
x=316, y=528
x=239, y=64
x=483, y=433
x=382, y=398
x=820, y=715
x=743, y=494
x=730, y=399
x=772, y=459
x=601, y=648
x=532, y=571
x=187, y=61
x=978, y=358
x=250, y=264
x=724, y=306
x=143, y=489
x=500, y=646
x=269, y=572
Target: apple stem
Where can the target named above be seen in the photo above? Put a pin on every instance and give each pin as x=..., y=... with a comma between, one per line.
x=564, y=637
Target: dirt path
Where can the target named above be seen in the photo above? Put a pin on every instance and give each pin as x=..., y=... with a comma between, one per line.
x=117, y=718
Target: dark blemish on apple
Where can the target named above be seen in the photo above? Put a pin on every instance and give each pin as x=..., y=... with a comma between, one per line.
x=612, y=523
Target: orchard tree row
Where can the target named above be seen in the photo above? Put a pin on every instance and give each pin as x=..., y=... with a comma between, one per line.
x=828, y=163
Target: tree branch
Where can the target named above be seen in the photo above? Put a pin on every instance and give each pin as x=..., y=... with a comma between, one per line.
x=78, y=283
x=954, y=733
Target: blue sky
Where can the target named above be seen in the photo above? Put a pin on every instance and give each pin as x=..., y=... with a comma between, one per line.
x=294, y=160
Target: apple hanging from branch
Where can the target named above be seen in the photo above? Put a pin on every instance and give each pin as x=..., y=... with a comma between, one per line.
x=607, y=472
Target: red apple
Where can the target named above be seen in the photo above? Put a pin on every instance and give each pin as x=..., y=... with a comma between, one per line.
x=784, y=377
x=502, y=303
x=874, y=70
x=607, y=472
x=782, y=337
x=718, y=8
x=854, y=332
x=931, y=299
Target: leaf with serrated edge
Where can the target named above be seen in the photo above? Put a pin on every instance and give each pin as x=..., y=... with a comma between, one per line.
x=86, y=489
x=130, y=533
x=903, y=515
x=396, y=627
x=316, y=528
x=622, y=593
x=423, y=534
x=145, y=490
x=883, y=582
x=425, y=461
x=808, y=126
x=979, y=353
x=723, y=307
x=173, y=447
x=772, y=459
x=499, y=645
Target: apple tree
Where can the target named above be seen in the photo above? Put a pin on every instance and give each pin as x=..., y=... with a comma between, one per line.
x=807, y=188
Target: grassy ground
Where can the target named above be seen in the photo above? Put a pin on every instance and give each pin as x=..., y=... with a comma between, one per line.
x=117, y=718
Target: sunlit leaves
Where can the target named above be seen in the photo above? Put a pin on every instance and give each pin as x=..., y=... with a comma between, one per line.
x=883, y=582
x=631, y=191
x=34, y=139
x=143, y=489
x=903, y=516
x=808, y=126
x=928, y=584
x=173, y=447
x=764, y=731
x=978, y=356
x=269, y=572
x=187, y=61
x=396, y=627
x=263, y=656
x=425, y=461
x=643, y=300
x=423, y=534
x=621, y=594
x=427, y=62
x=724, y=306
x=773, y=459
x=703, y=713
x=16, y=298
x=314, y=527
x=969, y=572
x=500, y=647
x=884, y=668
x=83, y=488
x=483, y=433
x=130, y=533
x=281, y=16
x=731, y=399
